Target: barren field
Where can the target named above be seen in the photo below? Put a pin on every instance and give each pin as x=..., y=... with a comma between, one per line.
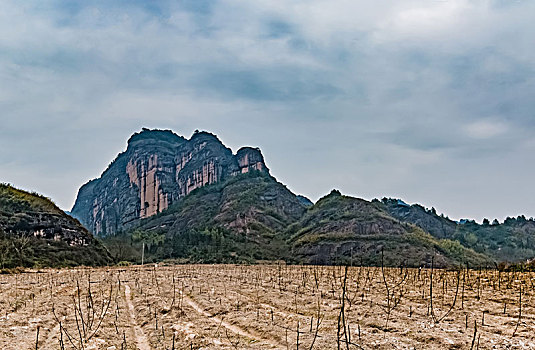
x=266, y=307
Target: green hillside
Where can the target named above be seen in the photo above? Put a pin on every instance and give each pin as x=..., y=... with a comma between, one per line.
x=345, y=230
x=239, y=220
x=510, y=241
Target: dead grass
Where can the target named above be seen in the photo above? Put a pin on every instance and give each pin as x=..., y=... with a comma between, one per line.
x=266, y=307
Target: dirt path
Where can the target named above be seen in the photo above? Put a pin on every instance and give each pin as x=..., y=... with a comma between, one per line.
x=141, y=339
x=233, y=328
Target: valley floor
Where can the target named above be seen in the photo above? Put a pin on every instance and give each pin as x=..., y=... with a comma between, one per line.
x=266, y=307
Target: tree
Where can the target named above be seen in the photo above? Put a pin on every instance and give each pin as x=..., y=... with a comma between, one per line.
x=147, y=238
x=5, y=252
x=119, y=249
x=21, y=245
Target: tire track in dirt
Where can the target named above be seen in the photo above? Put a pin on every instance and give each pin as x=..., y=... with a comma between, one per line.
x=233, y=328
x=141, y=339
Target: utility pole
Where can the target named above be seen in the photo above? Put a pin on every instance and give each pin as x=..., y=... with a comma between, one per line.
x=143, y=253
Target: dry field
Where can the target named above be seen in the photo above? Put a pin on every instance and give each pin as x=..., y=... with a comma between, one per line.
x=266, y=307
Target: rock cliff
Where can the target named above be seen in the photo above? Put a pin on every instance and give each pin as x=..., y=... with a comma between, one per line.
x=250, y=159
x=157, y=168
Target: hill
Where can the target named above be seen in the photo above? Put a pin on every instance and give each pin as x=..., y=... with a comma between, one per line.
x=194, y=199
x=238, y=220
x=427, y=219
x=512, y=241
x=35, y=232
x=341, y=229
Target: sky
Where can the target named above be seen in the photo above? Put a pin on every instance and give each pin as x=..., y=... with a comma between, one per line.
x=431, y=101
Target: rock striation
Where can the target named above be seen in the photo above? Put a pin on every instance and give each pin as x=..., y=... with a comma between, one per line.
x=250, y=159
x=156, y=170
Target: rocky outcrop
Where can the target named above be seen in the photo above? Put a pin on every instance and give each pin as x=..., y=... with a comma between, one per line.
x=250, y=159
x=39, y=233
x=156, y=170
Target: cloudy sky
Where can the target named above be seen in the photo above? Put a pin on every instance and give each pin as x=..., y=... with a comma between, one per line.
x=430, y=101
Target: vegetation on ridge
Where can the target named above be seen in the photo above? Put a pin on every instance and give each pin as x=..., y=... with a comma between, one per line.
x=512, y=241
x=239, y=220
x=246, y=219
x=344, y=230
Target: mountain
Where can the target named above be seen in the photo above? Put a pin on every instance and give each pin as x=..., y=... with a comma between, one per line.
x=237, y=220
x=427, y=219
x=513, y=240
x=195, y=200
x=35, y=232
x=156, y=170
x=342, y=229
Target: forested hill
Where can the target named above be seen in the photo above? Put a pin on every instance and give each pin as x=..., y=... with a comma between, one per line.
x=513, y=240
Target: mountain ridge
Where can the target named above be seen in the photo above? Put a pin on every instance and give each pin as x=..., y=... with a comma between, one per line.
x=173, y=191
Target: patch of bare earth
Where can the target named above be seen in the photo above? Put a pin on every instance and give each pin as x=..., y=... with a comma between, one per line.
x=141, y=340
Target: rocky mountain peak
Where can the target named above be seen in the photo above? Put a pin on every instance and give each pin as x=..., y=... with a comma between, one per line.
x=204, y=136
x=158, y=168
x=147, y=136
x=250, y=158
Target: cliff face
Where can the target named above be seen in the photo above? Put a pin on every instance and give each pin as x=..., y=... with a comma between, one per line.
x=250, y=159
x=157, y=168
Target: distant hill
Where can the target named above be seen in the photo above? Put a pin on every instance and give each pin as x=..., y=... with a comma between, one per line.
x=513, y=240
x=35, y=232
x=305, y=201
x=342, y=229
x=427, y=219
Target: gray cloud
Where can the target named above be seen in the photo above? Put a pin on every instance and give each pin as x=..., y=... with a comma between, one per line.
x=430, y=101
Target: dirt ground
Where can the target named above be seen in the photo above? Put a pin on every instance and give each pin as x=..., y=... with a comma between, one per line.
x=266, y=307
